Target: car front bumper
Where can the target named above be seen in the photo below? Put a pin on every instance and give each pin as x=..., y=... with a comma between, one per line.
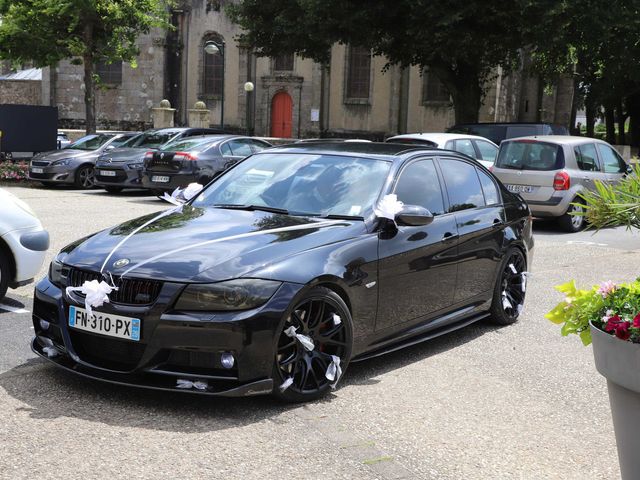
x=124, y=176
x=63, y=174
x=173, y=345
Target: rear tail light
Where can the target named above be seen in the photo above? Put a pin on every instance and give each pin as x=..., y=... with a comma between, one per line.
x=148, y=156
x=562, y=181
x=185, y=156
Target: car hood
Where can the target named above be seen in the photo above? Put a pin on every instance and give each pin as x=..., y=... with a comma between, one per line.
x=192, y=244
x=120, y=155
x=54, y=155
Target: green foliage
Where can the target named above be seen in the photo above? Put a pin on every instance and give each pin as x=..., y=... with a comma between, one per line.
x=14, y=172
x=612, y=308
x=47, y=31
x=615, y=204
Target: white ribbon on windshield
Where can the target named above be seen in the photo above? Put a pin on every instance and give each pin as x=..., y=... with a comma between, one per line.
x=182, y=195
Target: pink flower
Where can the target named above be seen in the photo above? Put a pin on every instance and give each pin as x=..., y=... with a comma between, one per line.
x=606, y=288
x=636, y=321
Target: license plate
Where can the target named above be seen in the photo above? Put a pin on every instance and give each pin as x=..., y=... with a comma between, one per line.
x=519, y=188
x=105, y=324
x=37, y=170
x=106, y=173
x=160, y=178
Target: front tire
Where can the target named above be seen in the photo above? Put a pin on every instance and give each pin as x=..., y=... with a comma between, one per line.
x=312, y=315
x=5, y=273
x=510, y=289
x=85, y=177
x=573, y=223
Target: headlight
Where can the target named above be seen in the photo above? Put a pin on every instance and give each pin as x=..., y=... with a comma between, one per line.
x=57, y=270
x=135, y=166
x=57, y=163
x=241, y=294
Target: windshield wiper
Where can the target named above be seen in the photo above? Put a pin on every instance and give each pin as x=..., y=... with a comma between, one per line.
x=343, y=217
x=262, y=208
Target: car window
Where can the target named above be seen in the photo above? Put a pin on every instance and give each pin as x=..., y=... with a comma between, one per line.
x=487, y=151
x=188, y=143
x=419, y=185
x=489, y=188
x=587, y=158
x=225, y=149
x=412, y=141
x=240, y=148
x=530, y=155
x=151, y=139
x=463, y=185
x=521, y=131
x=610, y=159
x=257, y=145
x=466, y=147
x=90, y=142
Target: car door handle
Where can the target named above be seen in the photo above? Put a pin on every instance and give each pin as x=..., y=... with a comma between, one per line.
x=447, y=237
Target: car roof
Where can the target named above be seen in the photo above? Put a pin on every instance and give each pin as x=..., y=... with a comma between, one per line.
x=557, y=139
x=439, y=138
x=378, y=150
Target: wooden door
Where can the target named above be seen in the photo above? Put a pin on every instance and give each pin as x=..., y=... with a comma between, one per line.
x=281, y=115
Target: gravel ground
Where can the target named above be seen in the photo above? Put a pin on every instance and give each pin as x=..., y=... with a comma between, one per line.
x=518, y=402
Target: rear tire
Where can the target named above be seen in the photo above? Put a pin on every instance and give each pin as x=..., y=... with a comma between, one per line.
x=573, y=223
x=5, y=273
x=508, y=297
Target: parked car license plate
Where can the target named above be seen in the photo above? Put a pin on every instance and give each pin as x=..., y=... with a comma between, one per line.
x=37, y=170
x=520, y=188
x=160, y=179
x=105, y=324
x=106, y=173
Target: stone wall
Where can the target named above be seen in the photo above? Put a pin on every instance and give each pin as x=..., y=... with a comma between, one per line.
x=21, y=92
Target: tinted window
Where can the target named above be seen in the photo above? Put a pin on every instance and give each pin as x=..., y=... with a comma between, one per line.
x=463, y=185
x=186, y=144
x=413, y=141
x=226, y=150
x=495, y=133
x=466, y=147
x=491, y=195
x=90, y=142
x=151, y=139
x=586, y=157
x=118, y=142
x=610, y=159
x=419, y=185
x=257, y=145
x=530, y=155
x=487, y=151
x=522, y=131
x=240, y=148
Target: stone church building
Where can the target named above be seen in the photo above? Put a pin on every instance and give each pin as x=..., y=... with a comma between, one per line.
x=200, y=60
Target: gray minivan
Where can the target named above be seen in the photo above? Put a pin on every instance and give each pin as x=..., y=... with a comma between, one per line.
x=549, y=172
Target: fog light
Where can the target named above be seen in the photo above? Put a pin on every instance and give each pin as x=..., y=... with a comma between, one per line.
x=44, y=324
x=227, y=360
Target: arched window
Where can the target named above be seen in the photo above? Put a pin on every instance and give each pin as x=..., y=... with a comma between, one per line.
x=213, y=65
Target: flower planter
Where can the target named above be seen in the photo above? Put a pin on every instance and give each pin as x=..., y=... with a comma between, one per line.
x=619, y=362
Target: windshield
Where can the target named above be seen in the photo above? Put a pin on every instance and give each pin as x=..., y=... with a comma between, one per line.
x=90, y=142
x=303, y=184
x=530, y=155
x=188, y=144
x=150, y=139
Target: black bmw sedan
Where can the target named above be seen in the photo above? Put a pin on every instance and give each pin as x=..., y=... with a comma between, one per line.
x=289, y=266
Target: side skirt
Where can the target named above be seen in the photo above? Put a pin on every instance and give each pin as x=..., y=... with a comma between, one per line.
x=420, y=338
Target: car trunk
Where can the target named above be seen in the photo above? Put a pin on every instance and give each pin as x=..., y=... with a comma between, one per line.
x=528, y=167
x=169, y=162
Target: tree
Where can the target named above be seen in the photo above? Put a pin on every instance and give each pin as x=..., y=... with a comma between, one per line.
x=86, y=31
x=460, y=41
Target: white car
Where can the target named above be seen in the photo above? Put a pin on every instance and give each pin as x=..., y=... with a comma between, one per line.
x=480, y=148
x=23, y=243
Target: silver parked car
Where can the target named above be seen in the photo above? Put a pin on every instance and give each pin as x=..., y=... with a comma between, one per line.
x=74, y=164
x=550, y=172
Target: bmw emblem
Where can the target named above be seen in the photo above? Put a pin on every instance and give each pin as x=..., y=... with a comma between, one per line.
x=121, y=263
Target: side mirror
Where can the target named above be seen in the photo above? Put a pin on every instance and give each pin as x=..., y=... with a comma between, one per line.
x=414, y=216
x=628, y=169
x=109, y=147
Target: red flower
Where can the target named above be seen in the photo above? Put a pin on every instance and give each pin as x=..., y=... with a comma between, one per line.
x=620, y=327
x=636, y=321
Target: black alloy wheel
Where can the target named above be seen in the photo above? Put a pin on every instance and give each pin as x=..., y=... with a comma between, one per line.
x=510, y=289
x=305, y=370
x=85, y=177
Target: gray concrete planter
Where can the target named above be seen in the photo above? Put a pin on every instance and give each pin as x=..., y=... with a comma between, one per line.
x=619, y=362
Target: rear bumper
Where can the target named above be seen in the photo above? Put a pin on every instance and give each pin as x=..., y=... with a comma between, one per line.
x=556, y=206
x=180, y=179
x=173, y=345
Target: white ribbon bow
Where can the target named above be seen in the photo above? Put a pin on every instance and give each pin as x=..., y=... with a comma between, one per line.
x=182, y=195
x=286, y=384
x=96, y=293
x=303, y=339
x=334, y=372
x=388, y=207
